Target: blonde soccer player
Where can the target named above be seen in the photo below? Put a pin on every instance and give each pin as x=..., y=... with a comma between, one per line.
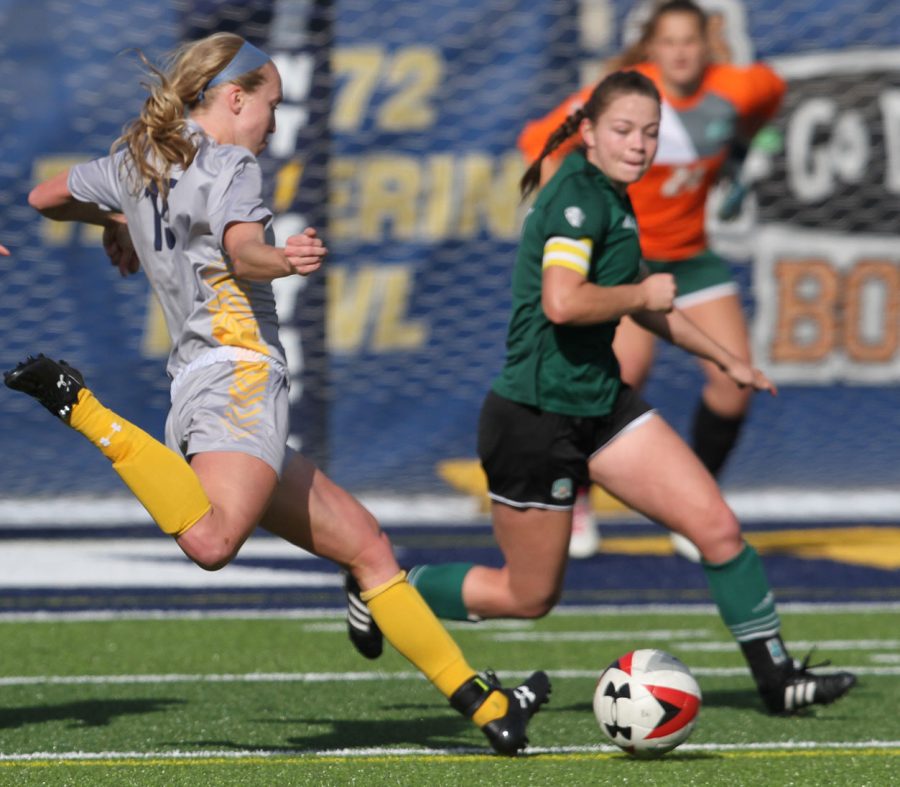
x=180, y=196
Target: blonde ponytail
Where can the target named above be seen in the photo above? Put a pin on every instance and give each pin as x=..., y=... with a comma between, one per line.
x=157, y=140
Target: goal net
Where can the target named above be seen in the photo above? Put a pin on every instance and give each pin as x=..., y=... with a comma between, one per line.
x=397, y=138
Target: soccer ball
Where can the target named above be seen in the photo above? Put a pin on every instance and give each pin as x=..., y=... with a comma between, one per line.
x=647, y=702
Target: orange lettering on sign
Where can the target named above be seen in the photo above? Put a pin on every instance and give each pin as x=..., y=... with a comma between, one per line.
x=886, y=277
x=807, y=299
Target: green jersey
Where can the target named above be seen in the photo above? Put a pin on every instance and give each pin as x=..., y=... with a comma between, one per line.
x=579, y=221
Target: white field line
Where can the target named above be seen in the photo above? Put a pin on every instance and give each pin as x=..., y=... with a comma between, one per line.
x=796, y=645
x=676, y=635
x=350, y=677
x=153, y=564
x=118, y=510
x=339, y=613
x=793, y=607
x=764, y=504
x=501, y=624
x=389, y=752
x=600, y=636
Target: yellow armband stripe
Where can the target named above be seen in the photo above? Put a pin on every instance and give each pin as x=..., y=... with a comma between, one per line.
x=568, y=253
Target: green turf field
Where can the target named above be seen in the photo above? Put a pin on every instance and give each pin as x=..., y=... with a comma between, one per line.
x=273, y=701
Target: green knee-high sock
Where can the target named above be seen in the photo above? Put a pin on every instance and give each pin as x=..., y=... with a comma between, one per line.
x=747, y=606
x=441, y=587
x=741, y=592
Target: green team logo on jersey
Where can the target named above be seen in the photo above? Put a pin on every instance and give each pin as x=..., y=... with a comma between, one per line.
x=561, y=489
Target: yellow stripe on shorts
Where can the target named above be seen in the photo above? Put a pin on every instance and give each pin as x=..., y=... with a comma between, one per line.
x=247, y=393
x=568, y=253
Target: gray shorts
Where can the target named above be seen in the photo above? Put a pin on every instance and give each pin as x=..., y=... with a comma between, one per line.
x=231, y=406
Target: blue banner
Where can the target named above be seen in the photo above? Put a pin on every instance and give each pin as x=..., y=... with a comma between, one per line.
x=409, y=402
x=429, y=100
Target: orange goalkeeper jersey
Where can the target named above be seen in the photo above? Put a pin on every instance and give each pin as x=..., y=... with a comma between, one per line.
x=694, y=139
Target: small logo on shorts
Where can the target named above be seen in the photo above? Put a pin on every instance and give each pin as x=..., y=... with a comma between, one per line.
x=561, y=489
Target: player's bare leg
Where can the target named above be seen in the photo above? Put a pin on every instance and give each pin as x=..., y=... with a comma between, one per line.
x=723, y=318
x=651, y=469
x=723, y=406
x=311, y=511
x=534, y=543
x=239, y=487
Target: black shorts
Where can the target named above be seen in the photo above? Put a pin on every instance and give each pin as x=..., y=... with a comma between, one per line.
x=536, y=459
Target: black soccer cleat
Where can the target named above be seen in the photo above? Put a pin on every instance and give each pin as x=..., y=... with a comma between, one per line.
x=363, y=630
x=507, y=735
x=801, y=688
x=54, y=384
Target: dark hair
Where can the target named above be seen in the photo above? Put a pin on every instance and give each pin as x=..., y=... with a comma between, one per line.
x=616, y=84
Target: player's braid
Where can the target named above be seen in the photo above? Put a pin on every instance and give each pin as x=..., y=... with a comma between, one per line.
x=532, y=176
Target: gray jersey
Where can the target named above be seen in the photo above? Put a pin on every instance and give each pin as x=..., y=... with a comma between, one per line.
x=181, y=251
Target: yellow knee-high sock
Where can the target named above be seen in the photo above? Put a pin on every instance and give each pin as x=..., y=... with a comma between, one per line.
x=161, y=479
x=411, y=627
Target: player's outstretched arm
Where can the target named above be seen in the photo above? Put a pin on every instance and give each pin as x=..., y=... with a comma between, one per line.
x=676, y=327
x=53, y=200
x=3, y=250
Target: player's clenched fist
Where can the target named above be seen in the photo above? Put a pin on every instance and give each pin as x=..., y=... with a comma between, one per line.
x=305, y=252
x=659, y=292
